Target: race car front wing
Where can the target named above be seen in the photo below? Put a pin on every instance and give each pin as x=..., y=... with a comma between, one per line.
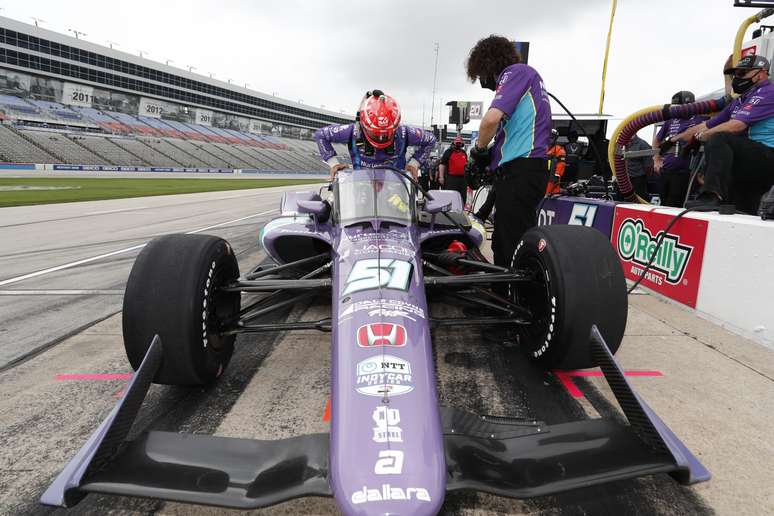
x=504, y=456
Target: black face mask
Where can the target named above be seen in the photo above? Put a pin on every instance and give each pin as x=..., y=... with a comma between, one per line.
x=489, y=83
x=741, y=85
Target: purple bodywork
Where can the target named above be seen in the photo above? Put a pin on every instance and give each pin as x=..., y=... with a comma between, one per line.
x=387, y=453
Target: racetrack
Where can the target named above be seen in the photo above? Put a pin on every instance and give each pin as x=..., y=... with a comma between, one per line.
x=716, y=390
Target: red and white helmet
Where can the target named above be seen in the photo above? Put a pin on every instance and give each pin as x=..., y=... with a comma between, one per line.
x=379, y=119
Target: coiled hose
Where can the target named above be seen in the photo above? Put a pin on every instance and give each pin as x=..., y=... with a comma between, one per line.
x=626, y=130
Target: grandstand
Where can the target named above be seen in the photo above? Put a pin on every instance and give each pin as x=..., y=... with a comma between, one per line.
x=69, y=101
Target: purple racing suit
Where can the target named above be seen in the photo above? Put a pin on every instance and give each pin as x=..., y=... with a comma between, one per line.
x=392, y=157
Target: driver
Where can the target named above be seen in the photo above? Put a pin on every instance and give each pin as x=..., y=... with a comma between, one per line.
x=376, y=139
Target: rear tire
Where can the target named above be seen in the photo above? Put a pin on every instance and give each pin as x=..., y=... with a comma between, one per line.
x=173, y=291
x=580, y=283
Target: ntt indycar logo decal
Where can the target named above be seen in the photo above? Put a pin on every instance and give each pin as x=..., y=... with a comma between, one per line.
x=636, y=244
x=382, y=375
x=381, y=334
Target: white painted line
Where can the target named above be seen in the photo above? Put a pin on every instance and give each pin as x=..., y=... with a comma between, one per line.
x=115, y=211
x=120, y=251
x=61, y=292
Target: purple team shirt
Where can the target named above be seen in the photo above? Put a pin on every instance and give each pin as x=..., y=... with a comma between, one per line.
x=756, y=109
x=673, y=127
x=405, y=137
x=525, y=130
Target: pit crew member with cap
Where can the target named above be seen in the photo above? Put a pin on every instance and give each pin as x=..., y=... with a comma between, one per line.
x=519, y=121
x=377, y=139
x=675, y=169
x=451, y=168
x=739, y=141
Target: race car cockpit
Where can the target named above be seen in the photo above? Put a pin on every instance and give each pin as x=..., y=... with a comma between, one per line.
x=366, y=195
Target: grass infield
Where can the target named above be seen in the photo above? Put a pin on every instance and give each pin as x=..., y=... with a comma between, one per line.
x=42, y=190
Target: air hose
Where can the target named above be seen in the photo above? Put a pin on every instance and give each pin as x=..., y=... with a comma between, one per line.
x=627, y=129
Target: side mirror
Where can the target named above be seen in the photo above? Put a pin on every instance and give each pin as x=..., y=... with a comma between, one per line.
x=317, y=208
x=434, y=206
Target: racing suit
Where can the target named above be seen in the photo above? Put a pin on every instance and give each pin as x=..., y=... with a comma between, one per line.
x=365, y=156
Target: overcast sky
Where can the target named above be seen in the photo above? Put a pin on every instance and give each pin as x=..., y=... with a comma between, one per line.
x=329, y=52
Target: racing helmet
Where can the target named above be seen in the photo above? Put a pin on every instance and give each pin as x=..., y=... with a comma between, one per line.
x=379, y=119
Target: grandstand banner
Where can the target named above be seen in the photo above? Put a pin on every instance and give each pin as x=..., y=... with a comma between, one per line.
x=676, y=268
x=203, y=117
x=152, y=108
x=77, y=94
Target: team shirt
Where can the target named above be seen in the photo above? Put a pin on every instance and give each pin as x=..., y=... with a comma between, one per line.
x=673, y=127
x=525, y=130
x=405, y=136
x=756, y=109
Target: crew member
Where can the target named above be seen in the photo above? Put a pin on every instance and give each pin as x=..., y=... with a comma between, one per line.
x=739, y=141
x=451, y=169
x=519, y=121
x=674, y=169
x=556, y=155
x=638, y=167
x=377, y=139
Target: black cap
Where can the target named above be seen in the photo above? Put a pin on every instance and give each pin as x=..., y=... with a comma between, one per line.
x=683, y=97
x=752, y=62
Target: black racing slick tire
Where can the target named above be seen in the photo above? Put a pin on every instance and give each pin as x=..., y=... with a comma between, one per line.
x=173, y=291
x=579, y=282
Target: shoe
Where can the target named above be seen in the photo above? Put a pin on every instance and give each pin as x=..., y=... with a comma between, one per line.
x=705, y=202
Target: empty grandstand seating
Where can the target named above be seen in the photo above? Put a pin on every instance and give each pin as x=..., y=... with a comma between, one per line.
x=15, y=148
x=64, y=148
x=105, y=148
x=40, y=131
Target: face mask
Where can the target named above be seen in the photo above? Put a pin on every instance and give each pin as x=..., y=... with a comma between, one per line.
x=489, y=83
x=741, y=85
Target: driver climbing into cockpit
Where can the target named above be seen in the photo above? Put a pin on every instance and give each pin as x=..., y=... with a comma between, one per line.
x=376, y=139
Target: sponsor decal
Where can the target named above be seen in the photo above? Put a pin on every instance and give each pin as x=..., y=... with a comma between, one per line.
x=381, y=334
x=374, y=273
x=551, y=327
x=390, y=462
x=635, y=243
x=546, y=217
x=374, y=249
x=390, y=493
x=383, y=375
x=676, y=268
x=387, y=429
x=385, y=308
x=383, y=236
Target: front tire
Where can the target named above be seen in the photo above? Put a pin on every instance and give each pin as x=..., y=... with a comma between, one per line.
x=579, y=283
x=173, y=291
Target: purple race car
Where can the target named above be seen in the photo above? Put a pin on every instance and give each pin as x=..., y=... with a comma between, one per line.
x=379, y=248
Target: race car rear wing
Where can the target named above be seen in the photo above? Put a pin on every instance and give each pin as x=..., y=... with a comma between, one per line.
x=508, y=457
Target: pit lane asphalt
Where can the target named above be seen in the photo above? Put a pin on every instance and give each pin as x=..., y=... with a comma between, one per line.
x=716, y=393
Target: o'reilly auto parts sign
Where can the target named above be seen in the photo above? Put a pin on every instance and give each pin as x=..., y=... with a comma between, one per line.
x=676, y=268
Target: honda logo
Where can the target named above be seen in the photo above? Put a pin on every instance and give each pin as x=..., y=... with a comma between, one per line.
x=381, y=334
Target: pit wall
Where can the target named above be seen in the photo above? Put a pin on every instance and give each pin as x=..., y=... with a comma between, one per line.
x=720, y=266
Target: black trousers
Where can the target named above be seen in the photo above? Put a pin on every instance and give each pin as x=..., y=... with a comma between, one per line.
x=520, y=185
x=640, y=185
x=674, y=187
x=739, y=170
x=458, y=184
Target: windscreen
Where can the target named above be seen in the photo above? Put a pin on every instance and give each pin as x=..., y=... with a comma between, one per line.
x=364, y=198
